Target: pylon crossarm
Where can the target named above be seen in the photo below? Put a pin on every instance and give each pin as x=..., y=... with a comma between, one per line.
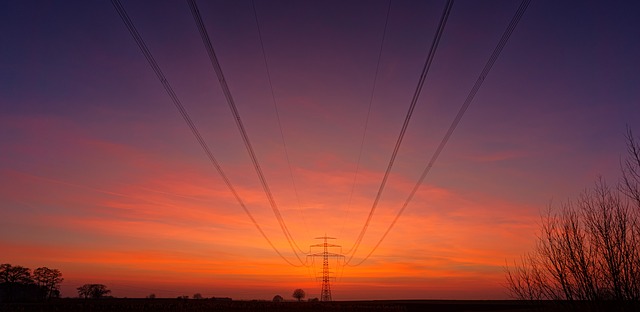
x=333, y=255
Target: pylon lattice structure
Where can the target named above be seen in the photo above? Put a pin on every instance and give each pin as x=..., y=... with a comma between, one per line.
x=325, y=254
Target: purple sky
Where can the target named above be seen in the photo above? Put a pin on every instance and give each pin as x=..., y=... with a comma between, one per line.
x=101, y=178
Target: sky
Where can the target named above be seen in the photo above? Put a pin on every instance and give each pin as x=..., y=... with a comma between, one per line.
x=101, y=178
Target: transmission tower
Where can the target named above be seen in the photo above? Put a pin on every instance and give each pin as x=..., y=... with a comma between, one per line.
x=325, y=254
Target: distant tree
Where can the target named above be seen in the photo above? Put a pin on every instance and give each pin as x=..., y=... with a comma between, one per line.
x=314, y=299
x=588, y=251
x=83, y=291
x=197, y=296
x=49, y=280
x=299, y=294
x=278, y=298
x=93, y=291
x=151, y=296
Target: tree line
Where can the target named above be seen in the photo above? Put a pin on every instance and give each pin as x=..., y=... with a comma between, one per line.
x=20, y=283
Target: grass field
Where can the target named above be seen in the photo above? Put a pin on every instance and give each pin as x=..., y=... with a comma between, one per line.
x=179, y=305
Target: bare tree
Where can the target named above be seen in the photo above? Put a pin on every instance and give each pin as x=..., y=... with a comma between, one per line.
x=588, y=250
x=630, y=184
x=49, y=280
x=299, y=294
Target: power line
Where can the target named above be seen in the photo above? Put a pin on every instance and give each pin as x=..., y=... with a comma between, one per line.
x=485, y=71
x=275, y=105
x=245, y=138
x=366, y=122
x=423, y=76
x=183, y=112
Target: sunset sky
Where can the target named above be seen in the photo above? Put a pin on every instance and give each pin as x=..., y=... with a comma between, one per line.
x=101, y=178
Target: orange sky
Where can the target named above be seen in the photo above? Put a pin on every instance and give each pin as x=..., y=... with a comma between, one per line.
x=101, y=178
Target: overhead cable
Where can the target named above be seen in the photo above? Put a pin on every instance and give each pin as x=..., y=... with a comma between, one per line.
x=183, y=112
x=485, y=71
x=366, y=121
x=245, y=137
x=275, y=106
x=414, y=100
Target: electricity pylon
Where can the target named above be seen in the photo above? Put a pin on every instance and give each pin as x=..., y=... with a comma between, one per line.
x=325, y=254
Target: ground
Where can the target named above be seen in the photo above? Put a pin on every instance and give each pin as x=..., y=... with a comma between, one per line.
x=178, y=305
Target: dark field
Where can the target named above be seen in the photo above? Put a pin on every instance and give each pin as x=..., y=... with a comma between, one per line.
x=241, y=306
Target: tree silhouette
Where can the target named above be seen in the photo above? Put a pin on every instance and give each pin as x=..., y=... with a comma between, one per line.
x=14, y=274
x=16, y=284
x=299, y=294
x=278, y=298
x=94, y=291
x=49, y=280
x=588, y=251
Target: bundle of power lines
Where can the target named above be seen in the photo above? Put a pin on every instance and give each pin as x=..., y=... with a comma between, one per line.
x=245, y=137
